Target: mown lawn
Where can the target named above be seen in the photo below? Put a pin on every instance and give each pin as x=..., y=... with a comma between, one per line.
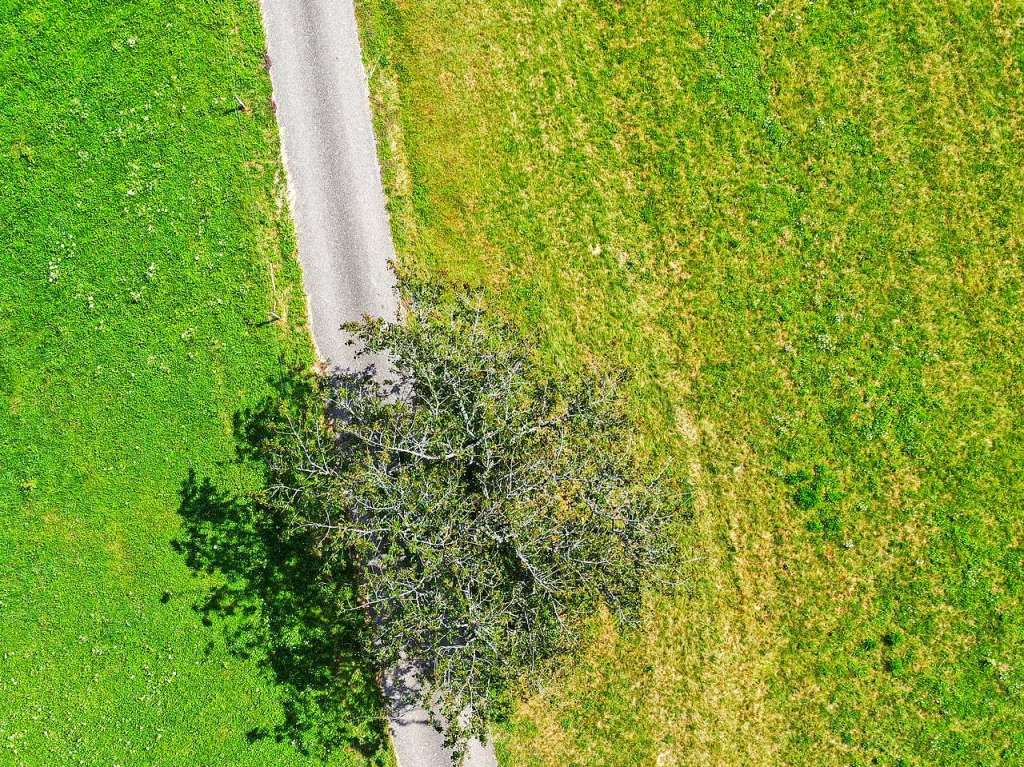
x=145, y=249
x=800, y=224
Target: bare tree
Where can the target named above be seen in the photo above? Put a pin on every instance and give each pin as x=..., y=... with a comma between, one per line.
x=490, y=508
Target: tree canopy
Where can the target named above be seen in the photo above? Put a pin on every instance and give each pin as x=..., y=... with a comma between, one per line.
x=488, y=506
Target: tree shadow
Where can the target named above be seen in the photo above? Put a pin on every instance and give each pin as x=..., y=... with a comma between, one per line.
x=284, y=607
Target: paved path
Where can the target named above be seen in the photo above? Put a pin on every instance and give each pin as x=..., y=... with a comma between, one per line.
x=323, y=111
x=344, y=238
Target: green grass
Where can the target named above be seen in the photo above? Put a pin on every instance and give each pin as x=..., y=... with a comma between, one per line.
x=145, y=244
x=800, y=223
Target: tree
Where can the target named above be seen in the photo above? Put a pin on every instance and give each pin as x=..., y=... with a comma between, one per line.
x=489, y=507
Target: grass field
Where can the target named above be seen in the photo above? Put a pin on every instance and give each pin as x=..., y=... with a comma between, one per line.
x=145, y=245
x=800, y=224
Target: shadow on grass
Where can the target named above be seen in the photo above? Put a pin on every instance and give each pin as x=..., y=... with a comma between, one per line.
x=285, y=608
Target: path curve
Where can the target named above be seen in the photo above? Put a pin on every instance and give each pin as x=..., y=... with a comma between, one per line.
x=341, y=222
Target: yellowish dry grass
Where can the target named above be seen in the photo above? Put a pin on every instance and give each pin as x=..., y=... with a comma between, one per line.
x=799, y=223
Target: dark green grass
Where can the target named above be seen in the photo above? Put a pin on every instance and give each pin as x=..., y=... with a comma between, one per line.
x=145, y=249
x=800, y=224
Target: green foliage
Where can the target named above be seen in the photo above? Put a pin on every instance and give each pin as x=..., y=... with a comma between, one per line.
x=813, y=488
x=490, y=510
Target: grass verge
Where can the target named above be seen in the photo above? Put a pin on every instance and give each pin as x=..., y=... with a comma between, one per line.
x=800, y=225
